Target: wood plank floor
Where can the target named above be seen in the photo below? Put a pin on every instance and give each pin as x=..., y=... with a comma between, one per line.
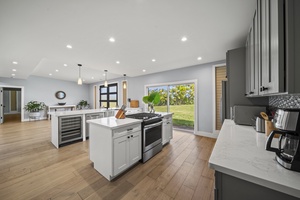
x=32, y=168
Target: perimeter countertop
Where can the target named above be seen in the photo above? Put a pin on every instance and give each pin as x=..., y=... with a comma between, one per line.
x=240, y=152
x=77, y=112
x=113, y=123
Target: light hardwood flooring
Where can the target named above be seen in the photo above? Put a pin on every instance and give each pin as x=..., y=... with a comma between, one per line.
x=32, y=168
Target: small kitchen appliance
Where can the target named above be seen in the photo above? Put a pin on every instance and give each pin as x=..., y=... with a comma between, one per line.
x=259, y=124
x=242, y=115
x=287, y=121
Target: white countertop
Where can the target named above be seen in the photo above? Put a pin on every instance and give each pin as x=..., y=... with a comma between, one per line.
x=62, y=106
x=240, y=152
x=76, y=112
x=113, y=123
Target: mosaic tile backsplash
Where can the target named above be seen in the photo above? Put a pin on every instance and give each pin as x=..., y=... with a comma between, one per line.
x=285, y=101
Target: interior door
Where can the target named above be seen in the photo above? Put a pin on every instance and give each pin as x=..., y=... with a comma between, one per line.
x=1, y=106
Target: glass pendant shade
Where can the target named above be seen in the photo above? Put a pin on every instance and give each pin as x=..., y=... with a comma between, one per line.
x=124, y=82
x=105, y=82
x=79, y=81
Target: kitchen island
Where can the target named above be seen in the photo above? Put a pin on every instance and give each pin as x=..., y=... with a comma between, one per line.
x=68, y=126
x=115, y=145
x=245, y=170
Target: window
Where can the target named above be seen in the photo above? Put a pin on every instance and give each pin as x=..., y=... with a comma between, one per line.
x=109, y=95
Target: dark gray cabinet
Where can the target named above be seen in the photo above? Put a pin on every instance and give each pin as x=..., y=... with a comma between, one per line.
x=235, y=63
x=271, y=48
x=232, y=188
x=252, y=57
x=272, y=45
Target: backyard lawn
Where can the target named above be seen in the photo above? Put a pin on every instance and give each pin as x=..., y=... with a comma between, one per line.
x=183, y=115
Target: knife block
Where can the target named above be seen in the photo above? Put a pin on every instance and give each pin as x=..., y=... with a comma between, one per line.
x=120, y=114
x=269, y=126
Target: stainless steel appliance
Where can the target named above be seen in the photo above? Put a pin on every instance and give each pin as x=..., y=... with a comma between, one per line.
x=69, y=129
x=258, y=124
x=224, y=102
x=151, y=134
x=243, y=114
x=288, y=152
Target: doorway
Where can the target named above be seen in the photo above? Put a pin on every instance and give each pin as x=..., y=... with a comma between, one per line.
x=220, y=75
x=178, y=98
x=11, y=101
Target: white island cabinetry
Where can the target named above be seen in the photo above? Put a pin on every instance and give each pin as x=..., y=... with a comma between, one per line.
x=115, y=145
x=167, y=128
x=58, y=132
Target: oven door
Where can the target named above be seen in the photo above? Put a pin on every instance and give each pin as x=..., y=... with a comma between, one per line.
x=152, y=136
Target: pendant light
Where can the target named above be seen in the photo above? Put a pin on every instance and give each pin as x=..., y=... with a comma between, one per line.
x=105, y=82
x=124, y=82
x=79, y=82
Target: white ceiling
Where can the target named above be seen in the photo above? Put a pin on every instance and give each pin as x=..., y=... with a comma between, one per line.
x=35, y=34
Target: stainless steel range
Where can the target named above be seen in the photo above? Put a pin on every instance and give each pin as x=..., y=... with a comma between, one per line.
x=151, y=134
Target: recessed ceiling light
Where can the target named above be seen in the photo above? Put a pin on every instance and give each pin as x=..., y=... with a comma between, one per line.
x=183, y=39
x=144, y=70
x=112, y=39
x=153, y=60
x=69, y=46
x=50, y=74
x=118, y=62
x=92, y=77
x=14, y=70
x=199, y=58
x=13, y=74
x=15, y=62
x=56, y=70
x=103, y=74
x=65, y=65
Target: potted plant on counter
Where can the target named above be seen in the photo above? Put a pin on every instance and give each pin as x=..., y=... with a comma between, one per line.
x=151, y=100
x=83, y=105
x=34, y=108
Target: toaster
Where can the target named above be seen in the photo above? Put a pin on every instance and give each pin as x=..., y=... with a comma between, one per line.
x=243, y=115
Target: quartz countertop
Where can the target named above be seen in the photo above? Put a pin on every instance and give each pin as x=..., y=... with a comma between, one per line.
x=77, y=112
x=113, y=123
x=240, y=152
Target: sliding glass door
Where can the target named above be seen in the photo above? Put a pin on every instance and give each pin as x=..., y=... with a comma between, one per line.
x=179, y=99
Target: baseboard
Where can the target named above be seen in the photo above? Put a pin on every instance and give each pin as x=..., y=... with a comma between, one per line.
x=207, y=134
x=27, y=119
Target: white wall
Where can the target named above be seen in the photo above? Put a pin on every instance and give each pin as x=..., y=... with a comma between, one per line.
x=203, y=75
x=44, y=89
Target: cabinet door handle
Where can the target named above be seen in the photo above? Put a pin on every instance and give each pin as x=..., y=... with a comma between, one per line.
x=130, y=129
x=128, y=137
x=251, y=92
x=262, y=88
x=131, y=135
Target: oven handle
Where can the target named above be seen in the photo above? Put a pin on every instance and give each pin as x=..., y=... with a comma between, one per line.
x=152, y=125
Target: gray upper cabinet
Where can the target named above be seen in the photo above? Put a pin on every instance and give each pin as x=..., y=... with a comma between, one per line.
x=252, y=58
x=248, y=65
x=272, y=46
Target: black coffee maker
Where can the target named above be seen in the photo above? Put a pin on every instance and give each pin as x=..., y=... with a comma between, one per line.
x=287, y=121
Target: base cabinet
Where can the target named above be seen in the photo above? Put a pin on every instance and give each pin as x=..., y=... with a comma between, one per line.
x=127, y=151
x=231, y=188
x=167, y=129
